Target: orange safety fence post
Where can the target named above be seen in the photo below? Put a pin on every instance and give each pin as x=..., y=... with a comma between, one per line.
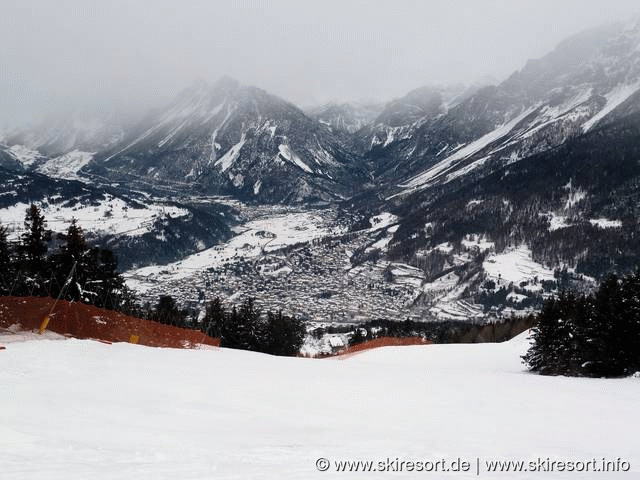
x=43, y=325
x=45, y=322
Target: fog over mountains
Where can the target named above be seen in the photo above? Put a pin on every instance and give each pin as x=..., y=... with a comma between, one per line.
x=427, y=189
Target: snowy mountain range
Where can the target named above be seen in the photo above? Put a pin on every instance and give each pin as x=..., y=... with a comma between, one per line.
x=59, y=135
x=230, y=139
x=457, y=200
x=587, y=81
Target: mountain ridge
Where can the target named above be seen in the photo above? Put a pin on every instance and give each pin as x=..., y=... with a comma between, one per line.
x=436, y=193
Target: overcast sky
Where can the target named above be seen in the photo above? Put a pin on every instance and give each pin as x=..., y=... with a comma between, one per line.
x=79, y=54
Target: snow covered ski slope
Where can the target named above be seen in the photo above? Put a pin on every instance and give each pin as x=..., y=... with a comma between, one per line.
x=73, y=409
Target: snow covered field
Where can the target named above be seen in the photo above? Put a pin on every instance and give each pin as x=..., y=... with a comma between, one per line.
x=77, y=409
x=111, y=216
x=515, y=265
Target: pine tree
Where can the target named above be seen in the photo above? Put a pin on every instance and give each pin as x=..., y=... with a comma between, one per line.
x=6, y=265
x=231, y=334
x=580, y=336
x=73, y=258
x=107, y=283
x=243, y=328
x=551, y=352
x=595, y=335
x=33, y=249
x=624, y=334
x=249, y=327
x=284, y=335
x=127, y=303
x=36, y=237
x=608, y=314
x=167, y=311
x=213, y=323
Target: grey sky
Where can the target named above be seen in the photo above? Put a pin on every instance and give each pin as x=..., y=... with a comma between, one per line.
x=71, y=54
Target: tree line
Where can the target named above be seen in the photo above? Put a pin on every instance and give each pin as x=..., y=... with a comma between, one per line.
x=40, y=263
x=436, y=331
x=595, y=335
x=244, y=327
x=248, y=329
x=73, y=269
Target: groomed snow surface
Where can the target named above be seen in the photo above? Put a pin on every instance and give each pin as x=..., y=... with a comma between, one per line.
x=77, y=409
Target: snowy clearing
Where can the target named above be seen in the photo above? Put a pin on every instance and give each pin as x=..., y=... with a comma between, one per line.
x=557, y=222
x=515, y=266
x=605, y=223
x=451, y=309
x=79, y=409
x=111, y=216
x=383, y=220
x=477, y=241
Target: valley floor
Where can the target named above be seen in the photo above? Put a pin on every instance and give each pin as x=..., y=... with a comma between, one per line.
x=307, y=263
x=78, y=409
x=290, y=259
